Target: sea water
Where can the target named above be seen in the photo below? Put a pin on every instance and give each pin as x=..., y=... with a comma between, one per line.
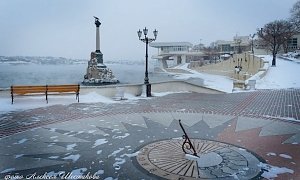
x=40, y=74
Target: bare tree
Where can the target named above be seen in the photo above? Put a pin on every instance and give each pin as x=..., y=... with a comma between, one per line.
x=274, y=35
x=295, y=15
x=211, y=52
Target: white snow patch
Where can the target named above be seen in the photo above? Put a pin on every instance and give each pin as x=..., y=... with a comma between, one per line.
x=19, y=155
x=92, y=131
x=8, y=170
x=53, y=157
x=177, y=138
x=99, y=152
x=191, y=157
x=114, y=130
x=130, y=155
x=118, y=162
x=51, y=144
x=99, y=172
x=120, y=137
x=80, y=132
x=98, y=142
x=285, y=156
x=71, y=146
x=116, y=152
x=283, y=118
x=52, y=129
x=160, y=94
x=21, y=141
x=74, y=158
x=234, y=175
x=110, y=178
x=272, y=172
x=271, y=154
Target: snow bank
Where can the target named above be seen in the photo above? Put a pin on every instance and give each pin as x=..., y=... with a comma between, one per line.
x=221, y=83
x=32, y=102
x=284, y=75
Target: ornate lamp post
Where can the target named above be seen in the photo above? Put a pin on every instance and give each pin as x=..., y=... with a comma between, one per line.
x=147, y=41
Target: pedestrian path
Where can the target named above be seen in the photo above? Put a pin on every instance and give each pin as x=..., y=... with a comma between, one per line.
x=245, y=135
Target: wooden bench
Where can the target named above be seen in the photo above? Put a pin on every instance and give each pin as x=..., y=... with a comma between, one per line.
x=47, y=89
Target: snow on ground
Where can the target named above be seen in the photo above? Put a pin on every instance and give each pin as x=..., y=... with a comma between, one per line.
x=284, y=75
x=99, y=142
x=8, y=170
x=285, y=156
x=272, y=172
x=72, y=157
x=21, y=141
x=71, y=146
x=32, y=102
x=221, y=83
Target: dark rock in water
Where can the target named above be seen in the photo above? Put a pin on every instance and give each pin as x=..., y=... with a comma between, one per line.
x=99, y=84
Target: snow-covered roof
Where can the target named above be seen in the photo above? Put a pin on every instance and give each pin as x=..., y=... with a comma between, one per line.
x=170, y=44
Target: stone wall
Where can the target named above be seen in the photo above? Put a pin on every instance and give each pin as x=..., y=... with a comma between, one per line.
x=250, y=64
x=136, y=89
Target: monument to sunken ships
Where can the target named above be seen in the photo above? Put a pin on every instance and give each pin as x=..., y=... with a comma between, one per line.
x=97, y=73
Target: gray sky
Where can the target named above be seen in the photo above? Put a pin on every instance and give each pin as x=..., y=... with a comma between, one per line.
x=66, y=27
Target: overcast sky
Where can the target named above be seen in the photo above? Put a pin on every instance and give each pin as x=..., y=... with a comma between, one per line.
x=66, y=27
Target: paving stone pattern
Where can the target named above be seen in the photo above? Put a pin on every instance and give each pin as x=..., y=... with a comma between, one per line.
x=104, y=139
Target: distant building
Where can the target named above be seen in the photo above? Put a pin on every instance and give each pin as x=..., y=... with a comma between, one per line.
x=291, y=45
x=294, y=43
x=175, y=51
x=237, y=45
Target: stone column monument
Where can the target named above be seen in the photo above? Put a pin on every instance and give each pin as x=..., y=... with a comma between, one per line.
x=99, y=55
x=97, y=73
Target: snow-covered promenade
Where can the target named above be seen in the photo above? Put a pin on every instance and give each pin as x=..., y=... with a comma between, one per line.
x=245, y=135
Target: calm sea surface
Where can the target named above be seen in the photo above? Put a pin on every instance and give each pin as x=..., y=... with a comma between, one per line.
x=36, y=74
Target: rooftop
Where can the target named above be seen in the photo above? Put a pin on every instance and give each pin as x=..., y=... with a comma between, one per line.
x=170, y=44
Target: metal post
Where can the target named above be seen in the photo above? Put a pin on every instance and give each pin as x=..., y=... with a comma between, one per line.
x=146, y=71
x=147, y=41
x=187, y=141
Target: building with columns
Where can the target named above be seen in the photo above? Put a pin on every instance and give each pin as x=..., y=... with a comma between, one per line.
x=178, y=52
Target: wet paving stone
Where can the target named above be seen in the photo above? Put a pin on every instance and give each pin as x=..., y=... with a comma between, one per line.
x=109, y=140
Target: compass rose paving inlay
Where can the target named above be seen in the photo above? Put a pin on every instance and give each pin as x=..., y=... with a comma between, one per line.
x=148, y=146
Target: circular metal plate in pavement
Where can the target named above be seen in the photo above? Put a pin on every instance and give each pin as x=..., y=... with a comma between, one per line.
x=216, y=160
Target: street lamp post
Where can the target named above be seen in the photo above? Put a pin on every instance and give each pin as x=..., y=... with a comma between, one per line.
x=252, y=43
x=147, y=41
x=239, y=41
